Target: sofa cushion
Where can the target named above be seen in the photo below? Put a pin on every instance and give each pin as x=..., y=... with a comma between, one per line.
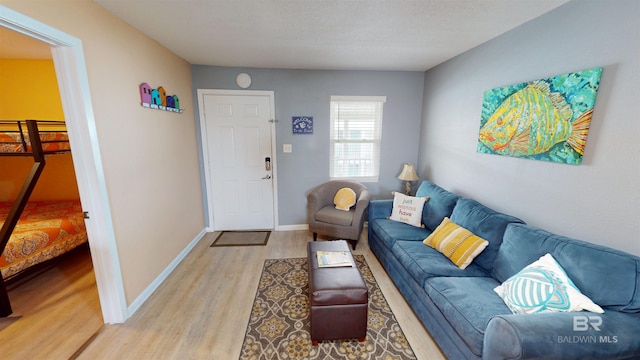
x=331, y=215
x=468, y=303
x=423, y=262
x=609, y=277
x=389, y=231
x=484, y=222
x=441, y=203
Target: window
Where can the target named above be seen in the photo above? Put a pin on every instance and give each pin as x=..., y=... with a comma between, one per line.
x=355, y=134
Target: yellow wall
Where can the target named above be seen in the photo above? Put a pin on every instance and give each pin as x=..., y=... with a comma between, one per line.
x=29, y=90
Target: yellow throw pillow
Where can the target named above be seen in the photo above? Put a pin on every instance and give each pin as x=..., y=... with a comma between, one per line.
x=458, y=244
x=344, y=199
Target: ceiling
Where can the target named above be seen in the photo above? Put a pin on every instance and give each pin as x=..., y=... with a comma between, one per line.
x=325, y=34
x=412, y=35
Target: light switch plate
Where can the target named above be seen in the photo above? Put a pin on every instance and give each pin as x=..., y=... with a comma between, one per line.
x=287, y=148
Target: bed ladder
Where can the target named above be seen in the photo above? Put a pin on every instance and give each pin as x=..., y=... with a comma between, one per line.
x=19, y=205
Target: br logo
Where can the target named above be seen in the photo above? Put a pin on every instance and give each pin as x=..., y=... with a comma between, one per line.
x=583, y=322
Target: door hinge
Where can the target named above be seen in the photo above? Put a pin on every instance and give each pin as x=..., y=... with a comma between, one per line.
x=85, y=214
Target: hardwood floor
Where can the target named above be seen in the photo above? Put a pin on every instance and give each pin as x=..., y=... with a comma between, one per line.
x=201, y=311
x=54, y=313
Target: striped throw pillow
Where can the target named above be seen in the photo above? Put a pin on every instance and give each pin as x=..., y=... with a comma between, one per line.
x=458, y=244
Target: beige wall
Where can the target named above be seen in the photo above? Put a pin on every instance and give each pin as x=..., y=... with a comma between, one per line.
x=150, y=157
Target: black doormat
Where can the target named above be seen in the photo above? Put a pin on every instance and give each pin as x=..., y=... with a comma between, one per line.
x=242, y=238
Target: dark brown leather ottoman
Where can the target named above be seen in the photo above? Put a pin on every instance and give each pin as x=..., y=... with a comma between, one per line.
x=338, y=297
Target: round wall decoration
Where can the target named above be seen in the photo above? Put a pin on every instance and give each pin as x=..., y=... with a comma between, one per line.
x=243, y=80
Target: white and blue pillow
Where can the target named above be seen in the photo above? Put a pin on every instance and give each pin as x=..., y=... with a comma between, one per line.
x=543, y=286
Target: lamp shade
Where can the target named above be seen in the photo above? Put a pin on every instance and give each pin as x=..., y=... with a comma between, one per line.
x=408, y=173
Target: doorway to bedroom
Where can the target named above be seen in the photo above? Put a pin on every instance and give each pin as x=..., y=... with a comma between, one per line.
x=98, y=267
x=47, y=264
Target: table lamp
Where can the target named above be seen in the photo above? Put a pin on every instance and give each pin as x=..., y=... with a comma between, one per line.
x=408, y=174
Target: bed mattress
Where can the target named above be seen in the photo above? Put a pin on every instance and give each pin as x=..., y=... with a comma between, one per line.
x=46, y=230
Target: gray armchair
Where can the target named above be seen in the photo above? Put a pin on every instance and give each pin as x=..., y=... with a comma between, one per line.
x=325, y=219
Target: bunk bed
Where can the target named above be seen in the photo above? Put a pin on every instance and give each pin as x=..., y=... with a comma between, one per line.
x=33, y=233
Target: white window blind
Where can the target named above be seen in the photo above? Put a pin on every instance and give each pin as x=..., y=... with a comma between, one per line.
x=355, y=135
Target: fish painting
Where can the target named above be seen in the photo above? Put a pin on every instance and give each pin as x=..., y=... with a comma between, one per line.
x=546, y=119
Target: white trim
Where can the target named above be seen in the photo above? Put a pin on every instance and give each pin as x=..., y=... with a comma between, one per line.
x=68, y=57
x=205, y=149
x=338, y=121
x=205, y=158
x=292, y=227
x=144, y=296
x=298, y=227
x=382, y=99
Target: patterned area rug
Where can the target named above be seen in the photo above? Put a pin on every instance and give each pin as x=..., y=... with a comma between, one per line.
x=279, y=324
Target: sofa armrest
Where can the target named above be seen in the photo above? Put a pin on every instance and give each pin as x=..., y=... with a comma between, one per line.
x=565, y=335
x=380, y=209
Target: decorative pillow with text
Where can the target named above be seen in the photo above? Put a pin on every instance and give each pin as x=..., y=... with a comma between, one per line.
x=408, y=209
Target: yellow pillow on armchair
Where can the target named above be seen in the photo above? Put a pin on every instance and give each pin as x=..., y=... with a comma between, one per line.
x=344, y=199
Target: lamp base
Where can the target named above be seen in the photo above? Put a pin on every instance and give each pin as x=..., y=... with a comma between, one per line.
x=407, y=188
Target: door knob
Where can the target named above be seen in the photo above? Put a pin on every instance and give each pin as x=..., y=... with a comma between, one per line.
x=266, y=177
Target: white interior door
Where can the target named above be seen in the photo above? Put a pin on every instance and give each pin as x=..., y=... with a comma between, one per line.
x=238, y=128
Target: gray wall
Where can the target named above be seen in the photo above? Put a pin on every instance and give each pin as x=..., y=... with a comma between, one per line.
x=307, y=92
x=598, y=201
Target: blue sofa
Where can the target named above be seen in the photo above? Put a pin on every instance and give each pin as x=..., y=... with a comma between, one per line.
x=464, y=315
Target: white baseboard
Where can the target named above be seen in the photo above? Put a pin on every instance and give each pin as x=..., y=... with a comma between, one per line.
x=277, y=228
x=135, y=305
x=292, y=227
x=301, y=227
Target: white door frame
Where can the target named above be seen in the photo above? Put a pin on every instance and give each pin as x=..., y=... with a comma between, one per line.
x=205, y=148
x=68, y=58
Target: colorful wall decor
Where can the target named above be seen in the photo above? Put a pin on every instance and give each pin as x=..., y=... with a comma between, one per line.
x=158, y=99
x=546, y=119
x=302, y=125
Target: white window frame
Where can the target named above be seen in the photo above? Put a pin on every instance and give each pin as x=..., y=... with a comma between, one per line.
x=376, y=140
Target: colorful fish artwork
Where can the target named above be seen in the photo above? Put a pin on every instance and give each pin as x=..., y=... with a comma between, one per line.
x=546, y=119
